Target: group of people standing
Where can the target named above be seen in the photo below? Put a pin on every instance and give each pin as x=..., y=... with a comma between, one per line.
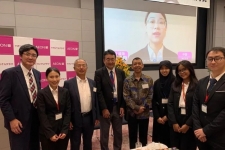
x=187, y=112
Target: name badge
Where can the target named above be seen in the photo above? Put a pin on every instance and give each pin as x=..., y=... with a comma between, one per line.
x=183, y=111
x=164, y=101
x=58, y=116
x=94, y=89
x=114, y=94
x=204, y=108
x=144, y=86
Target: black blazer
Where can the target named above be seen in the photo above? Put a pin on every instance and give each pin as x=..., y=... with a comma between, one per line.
x=47, y=109
x=173, y=106
x=76, y=116
x=144, y=55
x=15, y=101
x=212, y=122
x=105, y=89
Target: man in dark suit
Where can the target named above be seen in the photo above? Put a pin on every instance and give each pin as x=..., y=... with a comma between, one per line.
x=84, y=105
x=209, y=105
x=18, y=89
x=146, y=56
x=109, y=81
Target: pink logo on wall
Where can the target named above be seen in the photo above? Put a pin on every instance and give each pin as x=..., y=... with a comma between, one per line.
x=6, y=45
x=44, y=81
x=184, y=55
x=43, y=46
x=58, y=62
x=123, y=54
x=70, y=74
x=72, y=48
x=16, y=60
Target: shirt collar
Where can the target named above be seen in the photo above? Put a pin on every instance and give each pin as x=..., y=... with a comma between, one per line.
x=110, y=70
x=153, y=56
x=218, y=77
x=25, y=70
x=133, y=77
x=80, y=80
x=56, y=90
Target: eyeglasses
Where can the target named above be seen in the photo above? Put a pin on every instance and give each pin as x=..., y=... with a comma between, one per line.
x=32, y=55
x=160, y=23
x=216, y=59
x=182, y=70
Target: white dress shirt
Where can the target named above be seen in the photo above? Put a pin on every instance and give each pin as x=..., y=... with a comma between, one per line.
x=217, y=78
x=85, y=94
x=115, y=78
x=153, y=56
x=26, y=76
x=55, y=94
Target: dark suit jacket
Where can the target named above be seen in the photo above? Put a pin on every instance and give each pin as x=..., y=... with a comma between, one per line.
x=47, y=109
x=76, y=116
x=15, y=101
x=212, y=122
x=173, y=106
x=144, y=55
x=105, y=89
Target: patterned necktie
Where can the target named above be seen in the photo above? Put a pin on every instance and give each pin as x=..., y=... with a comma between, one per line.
x=32, y=88
x=211, y=84
x=112, y=78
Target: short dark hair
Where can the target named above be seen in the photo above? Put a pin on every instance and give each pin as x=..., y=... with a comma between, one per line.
x=50, y=69
x=27, y=47
x=109, y=51
x=137, y=58
x=216, y=49
x=146, y=17
x=178, y=80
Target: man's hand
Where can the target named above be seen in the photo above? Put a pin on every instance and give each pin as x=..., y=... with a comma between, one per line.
x=184, y=128
x=121, y=112
x=176, y=127
x=54, y=138
x=160, y=120
x=105, y=113
x=141, y=109
x=16, y=126
x=200, y=134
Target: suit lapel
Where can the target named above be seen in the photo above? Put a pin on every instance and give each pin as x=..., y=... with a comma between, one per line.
x=118, y=77
x=76, y=88
x=51, y=98
x=60, y=95
x=22, y=80
x=36, y=79
x=218, y=85
x=91, y=91
x=106, y=74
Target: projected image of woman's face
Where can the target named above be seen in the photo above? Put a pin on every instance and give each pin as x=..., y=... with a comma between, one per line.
x=156, y=28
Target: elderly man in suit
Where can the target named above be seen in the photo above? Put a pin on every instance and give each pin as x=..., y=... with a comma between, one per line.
x=109, y=81
x=18, y=91
x=209, y=104
x=84, y=105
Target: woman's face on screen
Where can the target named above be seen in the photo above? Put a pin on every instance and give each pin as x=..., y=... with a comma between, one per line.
x=156, y=27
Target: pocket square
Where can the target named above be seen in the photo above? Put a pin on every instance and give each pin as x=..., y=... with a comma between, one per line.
x=219, y=91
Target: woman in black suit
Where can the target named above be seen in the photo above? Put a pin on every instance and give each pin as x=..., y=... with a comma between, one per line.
x=180, y=107
x=54, y=111
x=161, y=90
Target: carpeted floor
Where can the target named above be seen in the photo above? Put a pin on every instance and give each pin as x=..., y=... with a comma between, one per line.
x=125, y=145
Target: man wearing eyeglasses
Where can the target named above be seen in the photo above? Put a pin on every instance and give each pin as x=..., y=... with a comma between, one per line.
x=18, y=91
x=209, y=104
